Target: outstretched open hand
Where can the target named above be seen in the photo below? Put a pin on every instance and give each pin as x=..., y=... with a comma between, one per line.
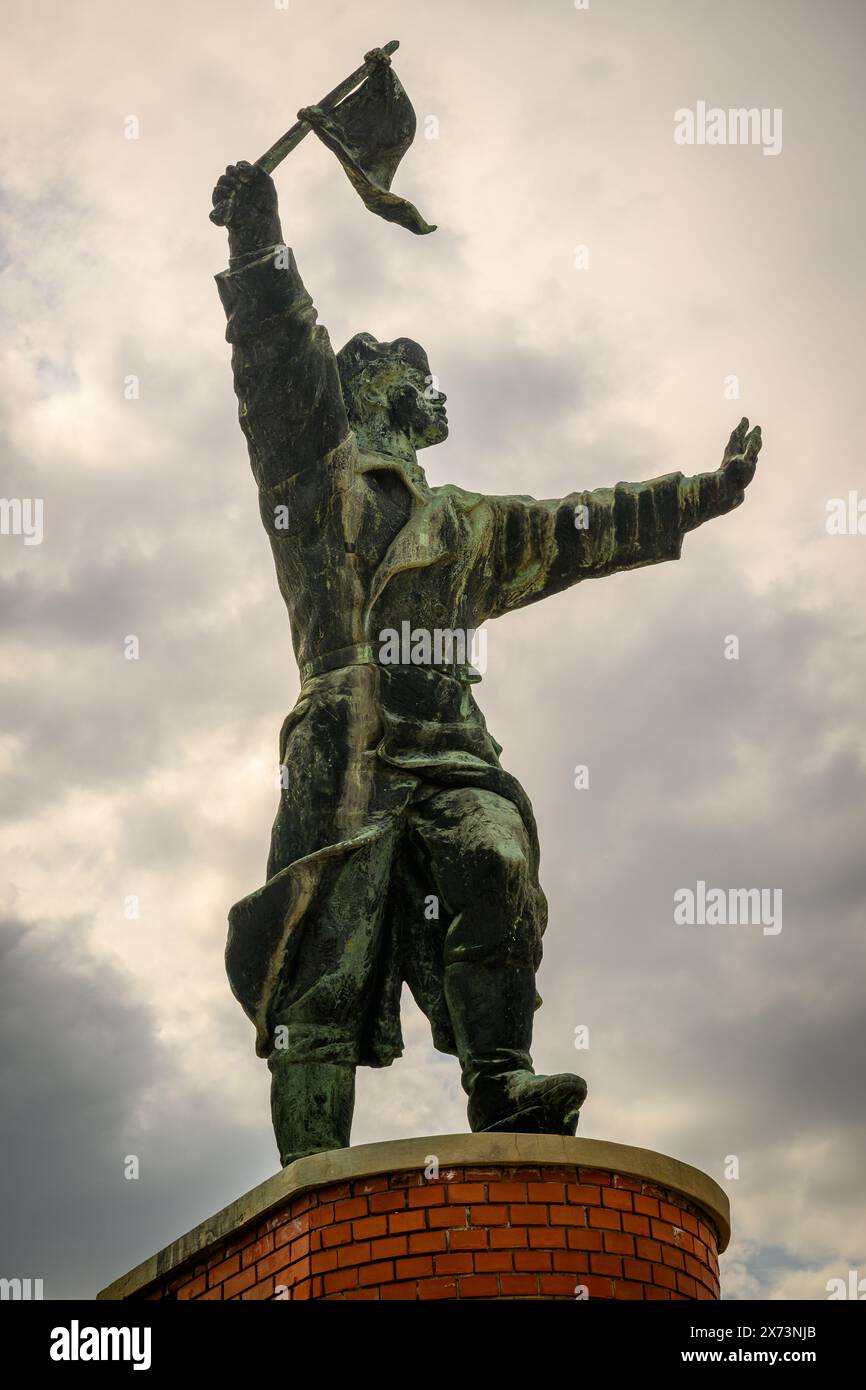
x=741, y=455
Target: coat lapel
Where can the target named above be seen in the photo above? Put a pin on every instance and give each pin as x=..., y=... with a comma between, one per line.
x=428, y=535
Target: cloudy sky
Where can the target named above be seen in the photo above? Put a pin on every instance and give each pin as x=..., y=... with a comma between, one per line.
x=154, y=777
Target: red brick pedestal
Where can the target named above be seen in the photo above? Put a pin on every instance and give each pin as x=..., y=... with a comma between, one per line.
x=454, y=1217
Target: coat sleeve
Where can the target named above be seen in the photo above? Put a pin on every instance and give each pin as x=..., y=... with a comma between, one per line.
x=290, y=404
x=536, y=548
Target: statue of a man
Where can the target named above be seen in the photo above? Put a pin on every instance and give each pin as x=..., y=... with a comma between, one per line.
x=402, y=850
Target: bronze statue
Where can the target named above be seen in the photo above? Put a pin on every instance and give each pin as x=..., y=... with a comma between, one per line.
x=402, y=850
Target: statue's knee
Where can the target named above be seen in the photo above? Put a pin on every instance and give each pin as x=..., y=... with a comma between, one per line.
x=503, y=873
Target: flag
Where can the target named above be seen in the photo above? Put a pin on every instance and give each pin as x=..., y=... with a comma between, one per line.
x=369, y=132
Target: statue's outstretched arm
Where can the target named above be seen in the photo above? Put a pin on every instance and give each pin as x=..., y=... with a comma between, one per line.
x=536, y=548
x=286, y=380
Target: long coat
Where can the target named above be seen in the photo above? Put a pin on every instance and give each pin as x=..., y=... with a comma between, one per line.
x=362, y=544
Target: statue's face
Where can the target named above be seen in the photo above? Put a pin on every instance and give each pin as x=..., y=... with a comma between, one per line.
x=417, y=407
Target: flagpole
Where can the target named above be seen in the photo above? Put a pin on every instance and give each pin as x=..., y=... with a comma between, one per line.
x=286, y=143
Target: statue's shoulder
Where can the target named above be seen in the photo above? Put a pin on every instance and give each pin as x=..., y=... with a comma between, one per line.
x=463, y=500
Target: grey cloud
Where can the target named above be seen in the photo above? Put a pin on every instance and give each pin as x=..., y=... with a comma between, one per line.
x=86, y=1082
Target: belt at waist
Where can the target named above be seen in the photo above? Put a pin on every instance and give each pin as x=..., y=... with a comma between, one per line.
x=362, y=654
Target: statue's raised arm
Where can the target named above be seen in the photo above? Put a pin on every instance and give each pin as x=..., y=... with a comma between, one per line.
x=286, y=380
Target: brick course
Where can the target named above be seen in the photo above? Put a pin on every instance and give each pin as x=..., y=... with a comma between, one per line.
x=490, y=1233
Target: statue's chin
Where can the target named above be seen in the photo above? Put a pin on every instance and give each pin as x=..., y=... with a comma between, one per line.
x=440, y=432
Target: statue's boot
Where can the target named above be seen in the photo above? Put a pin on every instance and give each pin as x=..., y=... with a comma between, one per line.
x=311, y=1105
x=491, y=1009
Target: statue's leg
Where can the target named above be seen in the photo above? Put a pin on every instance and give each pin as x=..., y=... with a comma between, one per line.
x=328, y=1014
x=311, y=1105
x=479, y=855
x=491, y=1012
